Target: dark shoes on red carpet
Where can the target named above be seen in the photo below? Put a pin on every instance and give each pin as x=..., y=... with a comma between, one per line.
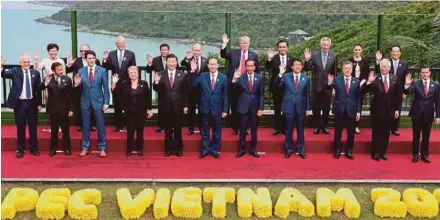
x=34, y=152
x=316, y=131
x=425, y=159
x=325, y=131
x=384, y=156
x=252, y=153
x=177, y=153
x=395, y=133
x=348, y=154
x=302, y=155
x=288, y=154
x=19, y=154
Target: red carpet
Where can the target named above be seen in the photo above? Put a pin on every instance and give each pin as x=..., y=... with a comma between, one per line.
x=270, y=167
x=266, y=142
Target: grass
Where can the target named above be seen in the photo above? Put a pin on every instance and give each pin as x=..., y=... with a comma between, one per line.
x=109, y=210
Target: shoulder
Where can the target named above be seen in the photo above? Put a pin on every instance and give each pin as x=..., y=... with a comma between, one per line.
x=305, y=76
x=100, y=68
x=129, y=52
x=221, y=75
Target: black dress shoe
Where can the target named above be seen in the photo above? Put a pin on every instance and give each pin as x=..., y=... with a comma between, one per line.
x=349, y=155
x=202, y=155
x=234, y=132
x=159, y=129
x=215, y=155
x=325, y=131
x=178, y=153
x=35, y=152
x=79, y=129
x=52, y=152
x=20, y=154
x=375, y=157
x=415, y=158
x=283, y=132
x=140, y=153
x=240, y=153
x=426, y=159
x=167, y=154
x=190, y=132
x=384, y=156
x=67, y=152
x=337, y=154
x=254, y=154
x=396, y=133
x=302, y=155
x=316, y=131
x=288, y=154
x=275, y=132
x=128, y=153
x=93, y=129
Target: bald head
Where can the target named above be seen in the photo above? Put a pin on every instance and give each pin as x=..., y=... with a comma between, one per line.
x=197, y=49
x=120, y=43
x=385, y=66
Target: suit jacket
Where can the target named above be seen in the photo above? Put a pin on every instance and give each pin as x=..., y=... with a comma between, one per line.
x=343, y=102
x=17, y=77
x=212, y=100
x=172, y=100
x=112, y=63
x=234, y=58
x=364, y=66
x=273, y=67
x=60, y=96
x=424, y=105
x=250, y=101
x=383, y=104
x=402, y=71
x=294, y=99
x=143, y=97
x=186, y=65
x=78, y=64
x=157, y=65
x=319, y=73
x=97, y=94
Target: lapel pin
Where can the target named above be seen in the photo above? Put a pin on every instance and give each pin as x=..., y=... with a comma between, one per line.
x=432, y=85
x=352, y=81
x=124, y=58
x=142, y=85
x=255, y=79
x=178, y=74
x=400, y=64
x=217, y=80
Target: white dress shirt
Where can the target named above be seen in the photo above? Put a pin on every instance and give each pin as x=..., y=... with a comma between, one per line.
x=23, y=91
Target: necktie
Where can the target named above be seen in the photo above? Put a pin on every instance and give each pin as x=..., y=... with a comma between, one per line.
x=426, y=88
x=296, y=82
x=324, y=60
x=91, y=76
x=197, y=63
x=395, y=67
x=120, y=59
x=28, y=85
x=58, y=80
x=347, y=85
x=250, y=83
x=212, y=81
x=385, y=84
x=171, y=80
x=243, y=62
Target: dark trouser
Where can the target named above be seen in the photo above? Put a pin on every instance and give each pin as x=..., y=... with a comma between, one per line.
x=117, y=116
x=193, y=118
x=362, y=103
x=350, y=124
x=421, y=125
x=160, y=116
x=278, y=119
x=321, y=102
x=211, y=145
x=57, y=120
x=395, y=123
x=380, y=134
x=135, y=124
x=235, y=116
x=173, y=124
x=243, y=126
x=290, y=120
x=26, y=111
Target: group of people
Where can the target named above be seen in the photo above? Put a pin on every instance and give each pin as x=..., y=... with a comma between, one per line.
x=197, y=86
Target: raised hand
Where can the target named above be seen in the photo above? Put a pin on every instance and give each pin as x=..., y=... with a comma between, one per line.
x=69, y=59
x=225, y=38
x=3, y=60
x=270, y=54
x=189, y=54
x=47, y=80
x=237, y=74
x=193, y=65
x=378, y=55
x=105, y=55
x=371, y=77
x=307, y=54
x=77, y=79
x=115, y=78
x=149, y=58
x=330, y=78
x=36, y=56
x=408, y=79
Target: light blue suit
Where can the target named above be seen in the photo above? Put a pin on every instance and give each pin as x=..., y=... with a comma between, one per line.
x=93, y=97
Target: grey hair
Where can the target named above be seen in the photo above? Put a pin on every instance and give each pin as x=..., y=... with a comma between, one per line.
x=386, y=61
x=120, y=38
x=326, y=39
x=85, y=45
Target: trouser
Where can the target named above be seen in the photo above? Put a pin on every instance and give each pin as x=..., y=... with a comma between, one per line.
x=26, y=112
x=321, y=102
x=57, y=120
x=211, y=145
x=421, y=125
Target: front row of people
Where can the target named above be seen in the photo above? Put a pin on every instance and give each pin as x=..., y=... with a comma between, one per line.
x=172, y=86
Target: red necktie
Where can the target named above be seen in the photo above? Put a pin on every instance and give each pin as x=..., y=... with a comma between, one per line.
x=385, y=84
x=91, y=76
x=426, y=88
x=250, y=83
x=171, y=80
x=296, y=82
x=347, y=85
x=212, y=81
x=243, y=62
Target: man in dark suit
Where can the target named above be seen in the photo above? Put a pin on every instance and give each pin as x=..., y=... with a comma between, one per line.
x=424, y=108
x=250, y=90
x=400, y=69
x=59, y=107
x=237, y=59
x=25, y=99
x=347, y=107
x=321, y=64
x=201, y=66
x=295, y=105
x=213, y=87
x=277, y=64
x=77, y=64
x=118, y=62
x=171, y=84
x=384, y=107
x=154, y=66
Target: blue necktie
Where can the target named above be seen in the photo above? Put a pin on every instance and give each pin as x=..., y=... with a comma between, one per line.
x=28, y=85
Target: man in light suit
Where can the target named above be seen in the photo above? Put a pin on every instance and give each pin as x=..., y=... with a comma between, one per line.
x=347, y=108
x=237, y=58
x=295, y=105
x=250, y=90
x=25, y=99
x=425, y=106
x=213, y=106
x=118, y=62
x=321, y=64
x=95, y=95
